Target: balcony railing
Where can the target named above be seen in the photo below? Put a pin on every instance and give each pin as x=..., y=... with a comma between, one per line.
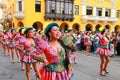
x=49, y=15
x=68, y=16
x=59, y=16
x=19, y=15
x=99, y=18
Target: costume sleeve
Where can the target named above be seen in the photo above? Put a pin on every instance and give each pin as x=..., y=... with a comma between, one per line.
x=103, y=41
x=99, y=35
x=9, y=35
x=17, y=36
x=27, y=47
x=20, y=41
x=67, y=40
x=42, y=47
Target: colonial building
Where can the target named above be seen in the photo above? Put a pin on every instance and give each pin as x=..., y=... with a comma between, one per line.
x=82, y=15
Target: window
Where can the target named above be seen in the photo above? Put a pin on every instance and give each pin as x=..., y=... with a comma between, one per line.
x=66, y=8
x=19, y=5
x=99, y=12
x=37, y=6
x=107, y=12
x=53, y=7
x=70, y=8
x=89, y=11
x=48, y=6
x=76, y=10
x=118, y=14
x=59, y=6
x=62, y=8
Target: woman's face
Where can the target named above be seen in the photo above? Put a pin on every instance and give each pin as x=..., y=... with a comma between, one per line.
x=14, y=32
x=55, y=33
x=30, y=33
x=107, y=31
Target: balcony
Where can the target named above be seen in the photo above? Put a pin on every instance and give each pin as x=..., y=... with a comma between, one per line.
x=19, y=15
x=99, y=18
x=70, y=16
x=49, y=15
x=59, y=16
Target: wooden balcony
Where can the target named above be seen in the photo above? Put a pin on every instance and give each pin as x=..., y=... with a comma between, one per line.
x=59, y=16
x=19, y=15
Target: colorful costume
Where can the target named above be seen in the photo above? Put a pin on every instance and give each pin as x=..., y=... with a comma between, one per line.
x=69, y=41
x=87, y=40
x=26, y=58
x=12, y=41
x=5, y=40
x=56, y=70
x=104, y=46
x=20, y=40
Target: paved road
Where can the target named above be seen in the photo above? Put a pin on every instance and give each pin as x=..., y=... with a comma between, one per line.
x=87, y=68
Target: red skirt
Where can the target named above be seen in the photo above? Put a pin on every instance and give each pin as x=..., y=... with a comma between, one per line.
x=103, y=51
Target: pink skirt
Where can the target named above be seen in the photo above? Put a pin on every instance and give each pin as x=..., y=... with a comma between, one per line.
x=12, y=45
x=49, y=75
x=27, y=59
x=103, y=51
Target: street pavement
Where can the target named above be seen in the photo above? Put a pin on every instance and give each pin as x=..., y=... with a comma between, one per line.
x=87, y=68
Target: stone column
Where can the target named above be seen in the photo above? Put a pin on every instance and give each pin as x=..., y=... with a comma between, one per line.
x=103, y=12
x=113, y=13
x=83, y=7
x=94, y=11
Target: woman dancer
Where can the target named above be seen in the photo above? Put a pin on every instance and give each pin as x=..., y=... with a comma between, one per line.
x=29, y=46
x=12, y=37
x=104, y=51
x=6, y=43
x=20, y=38
x=69, y=42
x=87, y=43
x=55, y=65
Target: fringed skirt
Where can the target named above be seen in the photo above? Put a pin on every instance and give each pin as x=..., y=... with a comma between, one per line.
x=103, y=51
x=50, y=75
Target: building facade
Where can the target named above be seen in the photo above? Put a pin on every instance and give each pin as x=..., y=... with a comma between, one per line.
x=81, y=15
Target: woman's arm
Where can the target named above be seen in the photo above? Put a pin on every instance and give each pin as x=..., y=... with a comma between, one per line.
x=35, y=55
